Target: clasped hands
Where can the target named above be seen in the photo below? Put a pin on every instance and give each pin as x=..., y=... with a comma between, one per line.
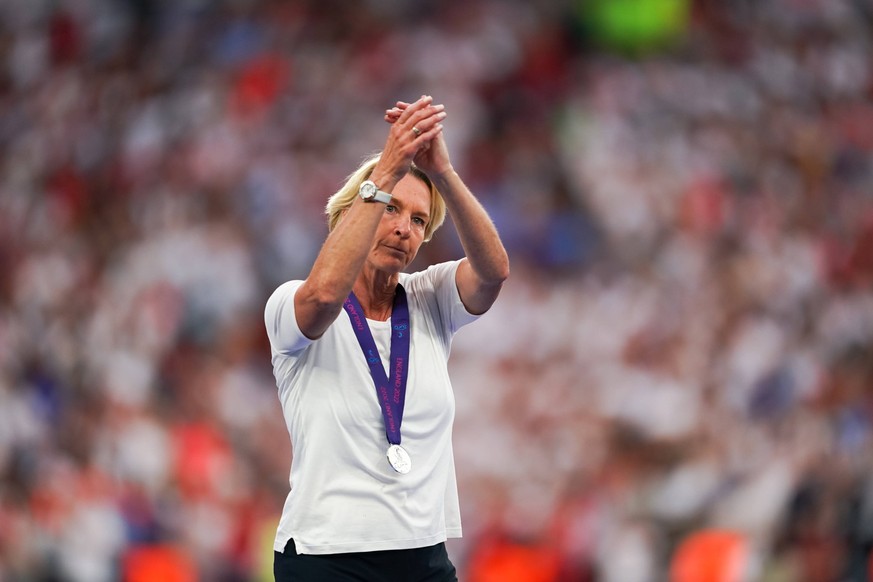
x=416, y=136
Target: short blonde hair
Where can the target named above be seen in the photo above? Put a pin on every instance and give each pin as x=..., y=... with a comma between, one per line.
x=345, y=196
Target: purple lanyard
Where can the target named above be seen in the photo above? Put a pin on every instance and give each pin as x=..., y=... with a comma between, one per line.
x=391, y=392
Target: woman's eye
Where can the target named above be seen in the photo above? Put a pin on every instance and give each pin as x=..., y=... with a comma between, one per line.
x=418, y=221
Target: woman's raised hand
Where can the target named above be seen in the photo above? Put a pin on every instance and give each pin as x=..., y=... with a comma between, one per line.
x=418, y=126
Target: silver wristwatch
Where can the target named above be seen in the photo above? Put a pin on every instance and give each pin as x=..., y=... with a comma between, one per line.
x=369, y=192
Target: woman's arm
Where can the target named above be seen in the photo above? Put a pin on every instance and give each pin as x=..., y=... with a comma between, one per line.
x=481, y=276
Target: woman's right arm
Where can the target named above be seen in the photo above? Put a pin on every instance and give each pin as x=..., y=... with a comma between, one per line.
x=319, y=300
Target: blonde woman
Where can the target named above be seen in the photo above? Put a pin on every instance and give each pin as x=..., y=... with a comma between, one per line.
x=360, y=351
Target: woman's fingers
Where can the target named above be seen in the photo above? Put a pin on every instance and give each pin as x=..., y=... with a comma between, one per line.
x=429, y=126
x=415, y=124
x=414, y=128
x=399, y=108
x=392, y=115
x=419, y=117
x=411, y=109
x=421, y=120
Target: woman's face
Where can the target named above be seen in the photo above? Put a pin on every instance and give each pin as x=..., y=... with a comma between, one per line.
x=401, y=231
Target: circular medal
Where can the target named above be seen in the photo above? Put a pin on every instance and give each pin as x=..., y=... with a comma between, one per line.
x=399, y=459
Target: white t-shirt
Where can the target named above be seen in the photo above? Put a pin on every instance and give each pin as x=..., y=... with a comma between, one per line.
x=345, y=497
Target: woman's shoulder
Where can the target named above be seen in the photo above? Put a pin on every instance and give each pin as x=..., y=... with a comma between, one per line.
x=285, y=289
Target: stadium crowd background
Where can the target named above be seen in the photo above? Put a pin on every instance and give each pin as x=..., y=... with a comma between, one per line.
x=676, y=384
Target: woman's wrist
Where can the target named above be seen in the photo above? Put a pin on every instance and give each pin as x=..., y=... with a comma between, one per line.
x=384, y=180
x=443, y=176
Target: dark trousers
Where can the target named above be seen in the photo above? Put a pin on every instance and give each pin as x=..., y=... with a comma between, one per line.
x=430, y=564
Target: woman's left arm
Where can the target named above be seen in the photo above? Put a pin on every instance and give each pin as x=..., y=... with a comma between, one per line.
x=479, y=277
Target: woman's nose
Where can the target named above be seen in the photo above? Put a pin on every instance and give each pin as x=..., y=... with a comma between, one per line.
x=402, y=226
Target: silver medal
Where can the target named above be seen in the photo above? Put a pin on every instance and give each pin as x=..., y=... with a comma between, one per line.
x=399, y=459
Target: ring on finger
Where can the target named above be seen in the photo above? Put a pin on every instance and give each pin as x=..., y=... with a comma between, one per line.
x=416, y=131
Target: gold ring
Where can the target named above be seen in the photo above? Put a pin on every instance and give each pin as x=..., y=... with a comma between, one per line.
x=416, y=131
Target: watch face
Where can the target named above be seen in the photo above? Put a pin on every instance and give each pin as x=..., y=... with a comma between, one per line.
x=367, y=190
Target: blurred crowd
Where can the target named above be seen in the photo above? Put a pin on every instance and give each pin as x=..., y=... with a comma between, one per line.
x=676, y=384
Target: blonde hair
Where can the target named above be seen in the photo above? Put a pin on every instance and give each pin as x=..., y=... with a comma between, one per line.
x=345, y=196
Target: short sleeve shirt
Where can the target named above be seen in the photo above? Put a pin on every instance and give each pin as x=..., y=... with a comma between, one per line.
x=345, y=497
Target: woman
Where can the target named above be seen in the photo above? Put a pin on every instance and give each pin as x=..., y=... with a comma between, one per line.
x=366, y=393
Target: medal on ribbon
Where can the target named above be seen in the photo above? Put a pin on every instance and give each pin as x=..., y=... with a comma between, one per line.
x=391, y=387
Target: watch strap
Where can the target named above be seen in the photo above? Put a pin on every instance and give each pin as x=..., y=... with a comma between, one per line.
x=382, y=196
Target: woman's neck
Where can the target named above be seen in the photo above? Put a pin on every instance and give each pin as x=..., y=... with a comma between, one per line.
x=375, y=292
